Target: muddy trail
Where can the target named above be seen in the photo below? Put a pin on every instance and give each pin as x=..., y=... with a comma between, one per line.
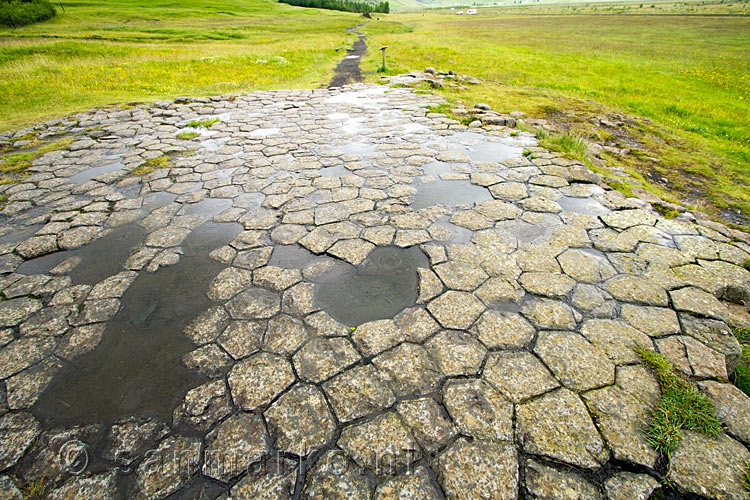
x=347, y=70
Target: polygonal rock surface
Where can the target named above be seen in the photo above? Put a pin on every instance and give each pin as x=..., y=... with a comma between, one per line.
x=479, y=470
x=323, y=357
x=255, y=303
x=301, y=421
x=374, y=337
x=558, y=426
x=623, y=422
x=233, y=446
x=358, y=392
x=696, y=301
x=460, y=275
x=577, y=363
x=97, y=487
x=555, y=484
x=732, y=407
x=336, y=477
x=274, y=479
x=615, y=339
x=382, y=444
x=478, y=410
x=456, y=310
x=709, y=466
x=629, y=486
x=416, y=485
x=169, y=467
x=504, y=330
x=17, y=432
x=428, y=422
x=456, y=353
x=410, y=370
x=637, y=290
x=549, y=314
x=518, y=375
x=256, y=380
x=653, y=321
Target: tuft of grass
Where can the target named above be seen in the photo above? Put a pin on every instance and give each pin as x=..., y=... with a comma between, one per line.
x=35, y=490
x=14, y=165
x=541, y=133
x=740, y=377
x=203, y=123
x=746, y=477
x=668, y=213
x=571, y=145
x=746, y=264
x=151, y=165
x=187, y=135
x=681, y=406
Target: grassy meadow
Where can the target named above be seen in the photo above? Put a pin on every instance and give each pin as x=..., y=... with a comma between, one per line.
x=687, y=76
x=117, y=51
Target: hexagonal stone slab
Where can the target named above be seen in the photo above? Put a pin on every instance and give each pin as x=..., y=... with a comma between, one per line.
x=457, y=310
x=456, y=353
x=374, y=337
x=558, y=426
x=479, y=470
x=479, y=410
x=710, y=466
x=575, y=361
x=428, y=422
x=301, y=421
x=549, y=314
x=17, y=432
x=169, y=467
x=546, y=482
x=504, y=330
x=616, y=339
x=336, y=477
x=410, y=370
x=518, y=375
x=547, y=284
x=627, y=486
x=582, y=265
x=255, y=303
x=653, y=321
x=256, y=380
x=732, y=407
x=623, y=422
x=416, y=485
x=233, y=446
x=637, y=290
x=460, y=275
x=699, y=302
x=358, y=392
x=323, y=357
x=383, y=444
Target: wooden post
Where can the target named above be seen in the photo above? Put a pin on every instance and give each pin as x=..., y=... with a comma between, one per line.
x=382, y=51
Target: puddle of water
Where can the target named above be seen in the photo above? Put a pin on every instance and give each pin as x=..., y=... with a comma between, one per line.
x=478, y=148
x=210, y=235
x=446, y=232
x=354, y=148
x=290, y=257
x=152, y=201
x=20, y=235
x=524, y=232
x=137, y=368
x=337, y=171
x=208, y=207
x=582, y=205
x=100, y=259
x=214, y=144
x=449, y=193
x=264, y=132
x=410, y=128
x=90, y=173
x=379, y=288
x=367, y=98
x=436, y=168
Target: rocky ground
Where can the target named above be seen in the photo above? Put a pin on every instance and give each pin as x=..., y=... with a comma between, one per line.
x=336, y=294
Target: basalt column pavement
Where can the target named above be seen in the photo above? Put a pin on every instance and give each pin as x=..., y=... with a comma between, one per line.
x=337, y=294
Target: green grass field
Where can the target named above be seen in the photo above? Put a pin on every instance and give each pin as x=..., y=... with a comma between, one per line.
x=128, y=50
x=689, y=76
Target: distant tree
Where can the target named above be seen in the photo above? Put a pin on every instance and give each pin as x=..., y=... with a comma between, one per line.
x=14, y=13
x=343, y=5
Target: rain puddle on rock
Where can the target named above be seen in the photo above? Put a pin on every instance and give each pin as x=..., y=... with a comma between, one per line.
x=582, y=205
x=208, y=207
x=478, y=148
x=290, y=257
x=99, y=259
x=449, y=194
x=379, y=288
x=264, y=132
x=17, y=235
x=524, y=232
x=446, y=232
x=353, y=148
x=137, y=368
x=436, y=168
x=337, y=171
x=90, y=173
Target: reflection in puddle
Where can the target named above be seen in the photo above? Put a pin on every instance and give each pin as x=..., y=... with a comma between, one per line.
x=290, y=257
x=436, y=168
x=384, y=284
x=264, y=132
x=353, y=148
x=100, y=259
x=90, y=173
x=582, y=205
x=137, y=368
x=445, y=232
x=478, y=148
x=208, y=207
x=449, y=193
x=337, y=171
x=17, y=236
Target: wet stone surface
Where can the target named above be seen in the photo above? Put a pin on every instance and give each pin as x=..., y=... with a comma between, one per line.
x=336, y=294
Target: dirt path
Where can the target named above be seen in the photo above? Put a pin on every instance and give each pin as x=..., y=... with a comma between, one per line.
x=348, y=69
